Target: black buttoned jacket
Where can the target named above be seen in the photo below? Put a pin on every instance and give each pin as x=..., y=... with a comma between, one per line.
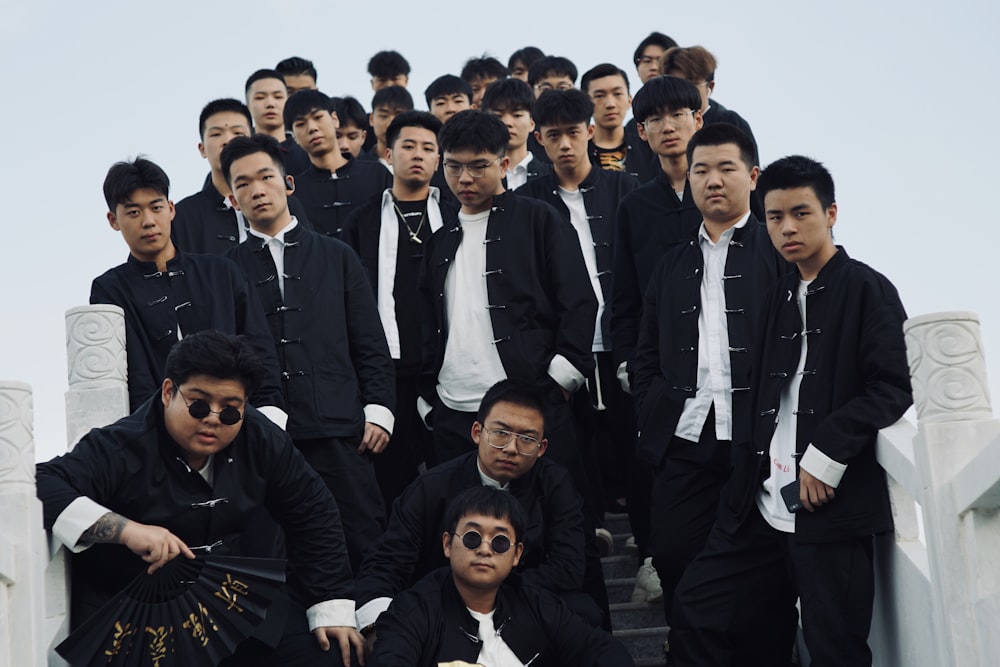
x=331, y=348
x=329, y=198
x=541, y=300
x=666, y=360
x=856, y=380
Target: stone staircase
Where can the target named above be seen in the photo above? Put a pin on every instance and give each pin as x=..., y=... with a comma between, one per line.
x=637, y=625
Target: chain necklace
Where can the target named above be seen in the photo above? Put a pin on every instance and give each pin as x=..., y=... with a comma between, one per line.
x=414, y=238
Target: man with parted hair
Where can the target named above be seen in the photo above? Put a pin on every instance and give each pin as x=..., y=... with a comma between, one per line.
x=387, y=103
x=206, y=221
x=806, y=495
x=389, y=235
x=352, y=133
x=502, y=619
x=511, y=100
x=520, y=61
x=611, y=147
x=648, y=54
x=265, y=95
x=333, y=185
x=388, y=68
x=480, y=73
x=447, y=95
x=189, y=472
x=552, y=73
x=338, y=377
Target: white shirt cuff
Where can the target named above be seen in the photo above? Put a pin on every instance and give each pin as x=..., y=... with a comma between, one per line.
x=380, y=416
x=275, y=414
x=622, y=375
x=822, y=467
x=331, y=613
x=423, y=409
x=371, y=610
x=565, y=373
x=78, y=516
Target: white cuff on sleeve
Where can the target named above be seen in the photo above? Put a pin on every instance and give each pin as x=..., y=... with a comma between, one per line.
x=622, y=375
x=331, y=613
x=822, y=467
x=78, y=516
x=370, y=611
x=565, y=373
x=380, y=416
x=275, y=414
x=423, y=409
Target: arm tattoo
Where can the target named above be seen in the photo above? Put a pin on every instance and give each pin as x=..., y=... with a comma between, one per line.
x=107, y=529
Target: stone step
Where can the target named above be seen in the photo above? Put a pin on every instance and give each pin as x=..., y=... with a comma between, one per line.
x=620, y=590
x=631, y=615
x=619, y=566
x=643, y=642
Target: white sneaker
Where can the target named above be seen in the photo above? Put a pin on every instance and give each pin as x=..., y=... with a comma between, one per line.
x=630, y=545
x=647, y=584
x=605, y=543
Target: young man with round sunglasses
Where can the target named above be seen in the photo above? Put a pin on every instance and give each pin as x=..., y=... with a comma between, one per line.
x=509, y=434
x=478, y=610
x=191, y=471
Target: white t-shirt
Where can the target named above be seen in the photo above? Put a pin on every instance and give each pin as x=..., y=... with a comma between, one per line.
x=471, y=361
x=495, y=652
x=578, y=217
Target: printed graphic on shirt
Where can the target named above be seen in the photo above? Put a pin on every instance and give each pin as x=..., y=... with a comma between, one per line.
x=612, y=159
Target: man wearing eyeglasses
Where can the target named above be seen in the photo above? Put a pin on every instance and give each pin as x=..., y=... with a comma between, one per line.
x=188, y=472
x=478, y=610
x=510, y=439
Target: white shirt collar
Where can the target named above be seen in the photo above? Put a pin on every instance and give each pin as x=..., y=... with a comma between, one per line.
x=280, y=236
x=726, y=235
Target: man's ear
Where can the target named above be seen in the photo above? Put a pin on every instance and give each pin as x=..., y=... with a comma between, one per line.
x=477, y=432
x=699, y=120
x=518, y=550
x=201, y=149
x=289, y=184
x=590, y=131
x=446, y=544
x=232, y=200
x=113, y=221
x=167, y=392
x=542, y=446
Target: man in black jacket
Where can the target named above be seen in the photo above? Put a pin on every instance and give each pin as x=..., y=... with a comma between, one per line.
x=829, y=372
x=506, y=295
x=167, y=294
x=509, y=436
x=476, y=611
x=206, y=221
x=338, y=376
x=692, y=363
x=188, y=472
x=333, y=185
x=511, y=100
x=389, y=235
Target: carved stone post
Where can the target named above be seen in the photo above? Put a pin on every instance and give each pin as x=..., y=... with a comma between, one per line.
x=98, y=370
x=23, y=554
x=957, y=453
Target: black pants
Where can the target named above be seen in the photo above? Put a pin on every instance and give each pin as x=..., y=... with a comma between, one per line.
x=399, y=462
x=685, y=497
x=351, y=479
x=735, y=604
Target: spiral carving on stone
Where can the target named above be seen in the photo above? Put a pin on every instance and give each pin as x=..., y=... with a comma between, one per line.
x=17, y=449
x=948, y=367
x=95, y=346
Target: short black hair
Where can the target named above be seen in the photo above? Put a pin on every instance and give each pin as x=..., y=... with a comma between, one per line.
x=798, y=171
x=653, y=39
x=486, y=501
x=124, y=178
x=304, y=102
x=394, y=97
x=262, y=74
x=241, y=147
x=296, y=66
x=485, y=67
x=221, y=106
x=561, y=107
x=526, y=56
x=551, y=66
x=665, y=94
x=350, y=112
x=388, y=64
x=216, y=355
x=447, y=84
x=511, y=391
x=508, y=95
x=718, y=134
x=601, y=71
x=476, y=131
x=423, y=119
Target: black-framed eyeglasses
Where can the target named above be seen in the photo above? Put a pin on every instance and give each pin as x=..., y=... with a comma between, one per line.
x=498, y=438
x=199, y=409
x=475, y=169
x=500, y=544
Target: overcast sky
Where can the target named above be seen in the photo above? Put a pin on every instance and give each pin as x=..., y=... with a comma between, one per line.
x=898, y=99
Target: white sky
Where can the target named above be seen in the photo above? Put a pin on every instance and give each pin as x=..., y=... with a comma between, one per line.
x=896, y=98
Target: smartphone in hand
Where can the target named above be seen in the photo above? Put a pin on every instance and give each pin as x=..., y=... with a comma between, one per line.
x=790, y=494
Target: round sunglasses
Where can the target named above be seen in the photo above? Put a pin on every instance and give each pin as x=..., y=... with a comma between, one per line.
x=199, y=409
x=500, y=544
